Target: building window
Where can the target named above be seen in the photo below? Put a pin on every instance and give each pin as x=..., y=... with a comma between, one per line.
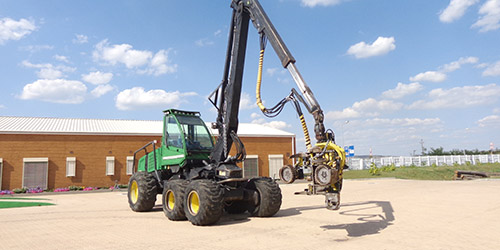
x=35, y=172
x=70, y=166
x=130, y=165
x=110, y=165
x=275, y=163
x=1, y=171
x=251, y=166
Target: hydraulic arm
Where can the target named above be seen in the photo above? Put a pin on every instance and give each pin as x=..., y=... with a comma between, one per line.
x=325, y=159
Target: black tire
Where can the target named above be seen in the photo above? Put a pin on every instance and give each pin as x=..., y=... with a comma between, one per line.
x=203, y=202
x=269, y=194
x=142, y=191
x=288, y=174
x=236, y=207
x=173, y=199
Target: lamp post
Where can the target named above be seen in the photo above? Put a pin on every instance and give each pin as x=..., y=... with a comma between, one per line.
x=344, y=123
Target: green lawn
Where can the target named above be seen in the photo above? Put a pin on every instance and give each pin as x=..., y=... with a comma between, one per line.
x=13, y=202
x=422, y=173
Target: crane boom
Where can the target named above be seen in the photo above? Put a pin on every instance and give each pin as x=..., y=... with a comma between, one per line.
x=326, y=159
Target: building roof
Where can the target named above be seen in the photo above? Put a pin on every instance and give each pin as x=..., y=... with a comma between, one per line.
x=78, y=126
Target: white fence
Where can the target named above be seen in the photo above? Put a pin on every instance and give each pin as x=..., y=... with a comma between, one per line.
x=439, y=160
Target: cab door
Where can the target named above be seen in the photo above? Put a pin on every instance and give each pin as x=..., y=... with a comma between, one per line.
x=174, y=143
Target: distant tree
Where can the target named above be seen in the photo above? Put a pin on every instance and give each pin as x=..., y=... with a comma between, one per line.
x=436, y=151
x=441, y=151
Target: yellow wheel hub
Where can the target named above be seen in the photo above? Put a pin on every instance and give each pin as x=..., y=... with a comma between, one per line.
x=193, y=202
x=134, y=192
x=170, y=200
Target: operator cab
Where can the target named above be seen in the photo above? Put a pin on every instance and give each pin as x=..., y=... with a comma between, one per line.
x=186, y=130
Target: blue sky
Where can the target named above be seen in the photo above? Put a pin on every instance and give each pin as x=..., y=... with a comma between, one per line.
x=388, y=74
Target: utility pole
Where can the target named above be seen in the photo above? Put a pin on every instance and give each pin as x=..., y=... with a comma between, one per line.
x=422, y=145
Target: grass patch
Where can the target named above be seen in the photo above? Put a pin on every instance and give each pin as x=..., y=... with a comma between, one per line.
x=420, y=173
x=21, y=198
x=14, y=204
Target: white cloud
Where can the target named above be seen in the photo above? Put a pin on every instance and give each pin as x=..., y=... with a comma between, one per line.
x=11, y=29
x=159, y=65
x=440, y=75
x=272, y=71
x=121, y=53
x=55, y=90
x=490, y=19
x=204, y=42
x=492, y=70
x=272, y=124
x=402, y=122
x=429, y=76
x=101, y=90
x=459, y=97
x=47, y=70
x=455, y=10
x=97, y=77
x=489, y=121
x=138, y=98
x=80, y=39
x=61, y=58
x=255, y=115
x=314, y=3
x=366, y=108
x=381, y=46
x=36, y=48
x=246, y=102
x=2, y=106
x=49, y=73
x=402, y=90
x=450, y=67
x=133, y=59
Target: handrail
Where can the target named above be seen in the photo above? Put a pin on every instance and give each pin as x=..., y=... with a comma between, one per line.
x=147, y=162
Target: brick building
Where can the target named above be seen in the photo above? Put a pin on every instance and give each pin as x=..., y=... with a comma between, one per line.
x=59, y=152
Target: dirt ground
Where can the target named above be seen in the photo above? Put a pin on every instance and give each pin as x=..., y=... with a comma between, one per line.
x=376, y=214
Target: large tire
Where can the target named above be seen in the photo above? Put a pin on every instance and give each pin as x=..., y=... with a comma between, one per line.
x=288, y=174
x=203, y=203
x=142, y=191
x=173, y=199
x=269, y=197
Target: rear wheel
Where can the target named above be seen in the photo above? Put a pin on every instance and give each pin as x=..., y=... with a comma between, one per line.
x=269, y=197
x=173, y=199
x=142, y=191
x=288, y=174
x=203, y=203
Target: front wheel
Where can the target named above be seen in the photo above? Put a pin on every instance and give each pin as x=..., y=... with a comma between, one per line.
x=142, y=191
x=269, y=197
x=203, y=203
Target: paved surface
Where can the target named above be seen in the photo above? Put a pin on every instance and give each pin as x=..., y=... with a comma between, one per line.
x=376, y=214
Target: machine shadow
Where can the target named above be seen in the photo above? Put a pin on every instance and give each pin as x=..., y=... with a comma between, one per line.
x=371, y=222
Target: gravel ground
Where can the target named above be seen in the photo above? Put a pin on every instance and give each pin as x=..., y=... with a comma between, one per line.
x=376, y=214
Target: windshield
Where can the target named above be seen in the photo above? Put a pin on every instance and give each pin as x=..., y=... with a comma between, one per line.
x=197, y=135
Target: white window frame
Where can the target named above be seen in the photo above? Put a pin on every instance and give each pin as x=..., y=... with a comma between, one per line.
x=130, y=165
x=110, y=165
x=70, y=166
x=37, y=160
x=251, y=157
x=1, y=172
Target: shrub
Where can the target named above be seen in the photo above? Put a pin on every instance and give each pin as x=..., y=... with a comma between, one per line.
x=19, y=190
x=374, y=170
